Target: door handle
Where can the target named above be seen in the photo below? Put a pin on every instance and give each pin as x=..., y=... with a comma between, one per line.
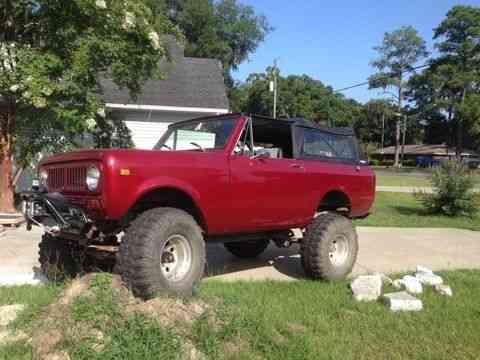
x=296, y=166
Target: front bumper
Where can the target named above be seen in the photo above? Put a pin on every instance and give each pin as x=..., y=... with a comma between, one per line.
x=53, y=213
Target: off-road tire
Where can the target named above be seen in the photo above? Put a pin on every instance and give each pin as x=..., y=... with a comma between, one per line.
x=316, y=246
x=59, y=258
x=247, y=249
x=140, y=254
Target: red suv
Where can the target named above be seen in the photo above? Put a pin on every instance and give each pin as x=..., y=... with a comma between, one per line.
x=239, y=179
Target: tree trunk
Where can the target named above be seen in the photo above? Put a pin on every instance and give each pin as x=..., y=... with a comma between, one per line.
x=459, y=135
x=7, y=119
x=397, y=123
x=404, y=138
x=397, y=143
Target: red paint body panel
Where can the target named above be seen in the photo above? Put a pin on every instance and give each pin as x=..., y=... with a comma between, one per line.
x=235, y=194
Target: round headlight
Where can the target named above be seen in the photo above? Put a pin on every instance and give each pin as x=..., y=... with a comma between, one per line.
x=93, y=178
x=43, y=177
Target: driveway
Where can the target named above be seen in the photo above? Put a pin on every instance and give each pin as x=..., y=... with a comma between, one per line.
x=381, y=250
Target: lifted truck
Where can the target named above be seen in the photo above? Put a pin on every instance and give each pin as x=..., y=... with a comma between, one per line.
x=240, y=179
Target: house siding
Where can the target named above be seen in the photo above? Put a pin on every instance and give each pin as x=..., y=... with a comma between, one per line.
x=146, y=127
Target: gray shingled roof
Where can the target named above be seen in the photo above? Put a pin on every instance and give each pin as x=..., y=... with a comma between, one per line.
x=190, y=82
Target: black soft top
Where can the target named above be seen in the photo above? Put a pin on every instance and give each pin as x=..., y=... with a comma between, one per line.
x=296, y=121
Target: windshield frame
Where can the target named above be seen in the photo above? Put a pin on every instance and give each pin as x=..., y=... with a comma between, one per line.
x=175, y=126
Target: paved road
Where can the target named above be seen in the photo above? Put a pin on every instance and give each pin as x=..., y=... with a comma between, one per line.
x=381, y=250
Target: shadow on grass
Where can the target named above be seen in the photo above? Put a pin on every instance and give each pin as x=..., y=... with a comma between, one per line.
x=411, y=211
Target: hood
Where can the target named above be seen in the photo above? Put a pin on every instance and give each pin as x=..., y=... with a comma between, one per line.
x=89, y=155
x=124, y=155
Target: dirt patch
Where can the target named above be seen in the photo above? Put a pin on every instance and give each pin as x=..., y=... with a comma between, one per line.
x=58, y=356
x=278, y=338
x=7, y=337
x=78, y=287
x=57, y=324
x=234, y=347
x=44, y=342
x=295, y=328
x=170, y=311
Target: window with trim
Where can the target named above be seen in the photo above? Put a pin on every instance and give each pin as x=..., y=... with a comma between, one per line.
x=318, y=143
x=271, y=138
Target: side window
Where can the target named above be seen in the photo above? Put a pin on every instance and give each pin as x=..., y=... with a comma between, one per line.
x=317, y=143
x=271, y=138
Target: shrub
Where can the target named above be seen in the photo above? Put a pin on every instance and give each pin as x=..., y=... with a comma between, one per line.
x=452, y=191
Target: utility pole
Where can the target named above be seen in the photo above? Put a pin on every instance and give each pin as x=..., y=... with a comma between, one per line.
x=383, y=130
x=274, y=88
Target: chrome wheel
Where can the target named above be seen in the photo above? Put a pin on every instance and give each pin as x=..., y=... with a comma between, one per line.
x=339, y=249
x=176, y=259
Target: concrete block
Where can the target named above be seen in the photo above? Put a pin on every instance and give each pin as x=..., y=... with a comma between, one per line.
x=429, y=279
x=412, y=284
x=443, y=289
x=402, y=301
x=367, y=287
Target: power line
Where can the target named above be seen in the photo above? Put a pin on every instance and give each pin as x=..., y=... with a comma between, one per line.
x=386, y=77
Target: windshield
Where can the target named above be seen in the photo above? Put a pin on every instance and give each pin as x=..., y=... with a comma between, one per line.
x=205, y=134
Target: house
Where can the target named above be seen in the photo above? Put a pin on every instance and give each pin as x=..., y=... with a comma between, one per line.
x=423, y=154
x=191, y=87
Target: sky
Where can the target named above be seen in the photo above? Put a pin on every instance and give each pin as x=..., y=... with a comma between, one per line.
x=333, y=40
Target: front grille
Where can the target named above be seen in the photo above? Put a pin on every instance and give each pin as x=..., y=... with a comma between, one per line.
x=67, y=179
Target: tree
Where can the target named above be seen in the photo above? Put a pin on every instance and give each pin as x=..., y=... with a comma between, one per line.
x=298, y=96
x=224, y=30
x=52, y=56
x=459, y=64
x=375, y=126
x=398, y=54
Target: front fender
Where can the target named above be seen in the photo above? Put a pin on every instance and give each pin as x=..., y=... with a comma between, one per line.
x=123, y=198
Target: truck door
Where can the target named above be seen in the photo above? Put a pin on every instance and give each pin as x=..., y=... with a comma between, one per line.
x=267, y=184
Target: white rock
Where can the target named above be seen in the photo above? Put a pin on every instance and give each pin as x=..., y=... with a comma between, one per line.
x=423, y=269
x=402, y=301
x=9, y=313
x=398, y=284
x=386, y=280
x=429, y=279
x=367, y=287
x=412, y=284
x=443, y=289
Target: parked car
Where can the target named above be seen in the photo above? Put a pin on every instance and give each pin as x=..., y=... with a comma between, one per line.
x=472, y=163
x=238, y=179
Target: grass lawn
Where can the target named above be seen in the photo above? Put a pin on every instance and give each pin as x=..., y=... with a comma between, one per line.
x=278, y=320
x=403, y=210
x=402, y=180
x=420, y=179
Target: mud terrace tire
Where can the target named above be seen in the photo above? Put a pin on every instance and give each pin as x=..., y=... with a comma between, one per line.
x=59, y=259
x=143, y=247
x=319, y=243
x=247, y=249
